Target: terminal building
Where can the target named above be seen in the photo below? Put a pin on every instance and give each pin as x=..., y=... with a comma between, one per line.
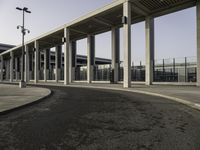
x=64, y=65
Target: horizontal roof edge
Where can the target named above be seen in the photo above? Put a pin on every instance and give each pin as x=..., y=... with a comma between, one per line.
x=96, y=12
x=87, y=16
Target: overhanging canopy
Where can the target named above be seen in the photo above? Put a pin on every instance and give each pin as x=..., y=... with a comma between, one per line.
x=109, y=16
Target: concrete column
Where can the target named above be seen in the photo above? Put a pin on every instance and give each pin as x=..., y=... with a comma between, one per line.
x=198, y=42
x=90, y=58
x=46, y=64
x=115, y=53
x=31, y=53
x=20, y=67
x=16, y=68
x=127, y=44
x=58, y=61
x=7, y=70
x=39, y=65
x=72, y=61
x=1, y=68
x=11, y=66
x=149, y=28
x=27, y=69
x=36, y=53
x=66, y=56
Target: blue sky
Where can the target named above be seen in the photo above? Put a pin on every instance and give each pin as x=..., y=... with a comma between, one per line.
x=175, y=34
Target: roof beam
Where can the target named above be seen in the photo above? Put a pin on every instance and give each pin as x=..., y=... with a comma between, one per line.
x=77, y=31
x=56, y=37
x=105, y=21
x=102, y=21
x=48, y=44
x=175, y=8
x=139, y=11
x=140, y=8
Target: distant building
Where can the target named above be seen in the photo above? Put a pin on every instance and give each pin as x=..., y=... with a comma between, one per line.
x=4, y=47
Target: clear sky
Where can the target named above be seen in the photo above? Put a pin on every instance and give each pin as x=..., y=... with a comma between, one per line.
x=175, y=34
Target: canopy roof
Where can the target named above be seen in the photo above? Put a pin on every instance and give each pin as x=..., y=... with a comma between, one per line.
x=103, y=19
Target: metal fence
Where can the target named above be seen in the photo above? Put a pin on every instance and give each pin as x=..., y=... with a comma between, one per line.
x=166, y=70
x=175, y=70
x=81, y=73
x=102, y=72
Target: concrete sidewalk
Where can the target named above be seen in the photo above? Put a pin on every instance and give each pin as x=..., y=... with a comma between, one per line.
x=13, y=97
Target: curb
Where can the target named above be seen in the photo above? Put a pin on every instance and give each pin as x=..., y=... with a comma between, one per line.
x=28, y=104
x=179, y=100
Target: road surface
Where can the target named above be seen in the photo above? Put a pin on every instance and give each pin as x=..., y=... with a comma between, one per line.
x=94, y=119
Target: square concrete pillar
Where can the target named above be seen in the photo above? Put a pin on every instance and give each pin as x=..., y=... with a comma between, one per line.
x=7, y=69
x=46, y=64
x=66, y=56
x=198, y=41
x=16, y=69
x=115, y=53
x=36, y=53
x=27, y=69
x=20, y=60
x=90, y=58
x=39, y=65
x=1, y=68
x=22, y=83
x=72, y=61
x=127, y=43
x=31, y=54
x=11, y=66
x=149, y=29
x=58, y=62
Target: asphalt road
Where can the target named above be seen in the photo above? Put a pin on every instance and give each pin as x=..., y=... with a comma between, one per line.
x=90, y=119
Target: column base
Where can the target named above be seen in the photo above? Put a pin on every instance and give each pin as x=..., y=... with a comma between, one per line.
x=72, y=75
x=58, y=75
x=22, y=84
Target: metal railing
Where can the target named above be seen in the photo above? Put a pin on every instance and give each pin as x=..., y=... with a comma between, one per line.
x=175, y=70
x=102, y=72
